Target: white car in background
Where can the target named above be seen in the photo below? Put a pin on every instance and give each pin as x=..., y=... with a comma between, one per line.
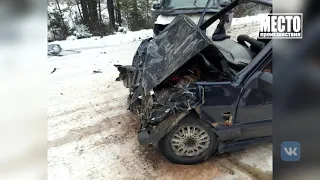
x=167, y=10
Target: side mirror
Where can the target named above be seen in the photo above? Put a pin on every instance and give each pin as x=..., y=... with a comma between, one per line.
x=224, y=3
x=262, y=80
x=156, y=6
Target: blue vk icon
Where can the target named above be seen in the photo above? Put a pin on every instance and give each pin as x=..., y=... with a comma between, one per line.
x=290, y=151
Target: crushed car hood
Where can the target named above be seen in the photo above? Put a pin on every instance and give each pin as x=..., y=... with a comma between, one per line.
x=158, y=58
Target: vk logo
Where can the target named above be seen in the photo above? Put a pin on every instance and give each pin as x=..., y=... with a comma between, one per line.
x=290, y=151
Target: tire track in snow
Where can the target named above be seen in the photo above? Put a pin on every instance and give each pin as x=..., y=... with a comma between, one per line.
x=78, y=134
x=93, y=101
x=85, y=108
x=102, y=46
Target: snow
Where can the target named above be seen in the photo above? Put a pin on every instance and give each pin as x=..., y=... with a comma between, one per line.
x=71, y=38
x=92, y=135
x=112, y=40
x=248, y=19
x=82, y=31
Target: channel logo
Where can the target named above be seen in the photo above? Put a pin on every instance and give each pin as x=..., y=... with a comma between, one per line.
x=281, y=26
x=290, y=151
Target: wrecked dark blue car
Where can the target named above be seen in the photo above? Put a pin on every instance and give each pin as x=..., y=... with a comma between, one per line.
x=198, y=96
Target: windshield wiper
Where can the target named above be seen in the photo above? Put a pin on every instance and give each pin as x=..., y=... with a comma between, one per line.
x=195, y=2
x=204, y=13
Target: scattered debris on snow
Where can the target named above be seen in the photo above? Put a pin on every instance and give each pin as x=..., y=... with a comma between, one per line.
x=54, y=49
x=54, y=70
x=112, y=40
x=94, y=71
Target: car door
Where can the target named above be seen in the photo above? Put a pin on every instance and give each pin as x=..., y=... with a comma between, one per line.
x=254, y=110
x=220, y=98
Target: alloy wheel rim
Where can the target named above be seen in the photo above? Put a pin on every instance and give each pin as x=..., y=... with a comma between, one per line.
x=190, y=140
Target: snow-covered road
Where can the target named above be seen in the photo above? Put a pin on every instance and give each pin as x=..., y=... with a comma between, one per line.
x=92, y=136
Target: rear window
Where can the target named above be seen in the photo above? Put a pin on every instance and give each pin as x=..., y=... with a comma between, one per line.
x=188, y=4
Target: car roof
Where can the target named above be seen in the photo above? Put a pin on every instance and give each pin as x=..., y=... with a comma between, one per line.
x=232, y=5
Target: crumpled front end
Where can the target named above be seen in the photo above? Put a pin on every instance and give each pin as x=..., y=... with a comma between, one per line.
x=166, y=102
x=165, y=108
x=161, y=78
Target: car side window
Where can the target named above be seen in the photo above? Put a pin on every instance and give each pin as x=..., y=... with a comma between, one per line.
x=268, y=95
x=257, y=96
x=242, y=24
x=267, y=68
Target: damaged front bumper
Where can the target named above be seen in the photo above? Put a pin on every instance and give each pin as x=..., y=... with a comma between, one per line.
x=159, y=111
x=166, y=109
x=152, y=135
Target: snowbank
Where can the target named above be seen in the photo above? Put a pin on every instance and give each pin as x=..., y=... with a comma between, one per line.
x=110, y=40
x=248, y=19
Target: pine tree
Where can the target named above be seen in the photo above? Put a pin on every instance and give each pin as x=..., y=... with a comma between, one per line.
x=100, y=16
x=111, y=14
x=78, y=6
x=118, y=13
x=132, y=14
x=93, y=5
x=85, y=12
x=61, y=20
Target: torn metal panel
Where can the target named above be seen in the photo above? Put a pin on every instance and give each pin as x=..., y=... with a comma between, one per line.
x=171, y=49
x=139, y=55
x=181, y=98
x=54, y=49
x=153, y=135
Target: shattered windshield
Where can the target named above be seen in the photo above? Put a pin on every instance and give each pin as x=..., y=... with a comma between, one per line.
x=245, y=19
x=187, y=4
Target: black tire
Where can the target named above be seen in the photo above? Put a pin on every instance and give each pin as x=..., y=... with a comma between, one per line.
x=168, y=153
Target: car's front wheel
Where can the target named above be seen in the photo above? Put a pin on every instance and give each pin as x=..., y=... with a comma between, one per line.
x=192, y=141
